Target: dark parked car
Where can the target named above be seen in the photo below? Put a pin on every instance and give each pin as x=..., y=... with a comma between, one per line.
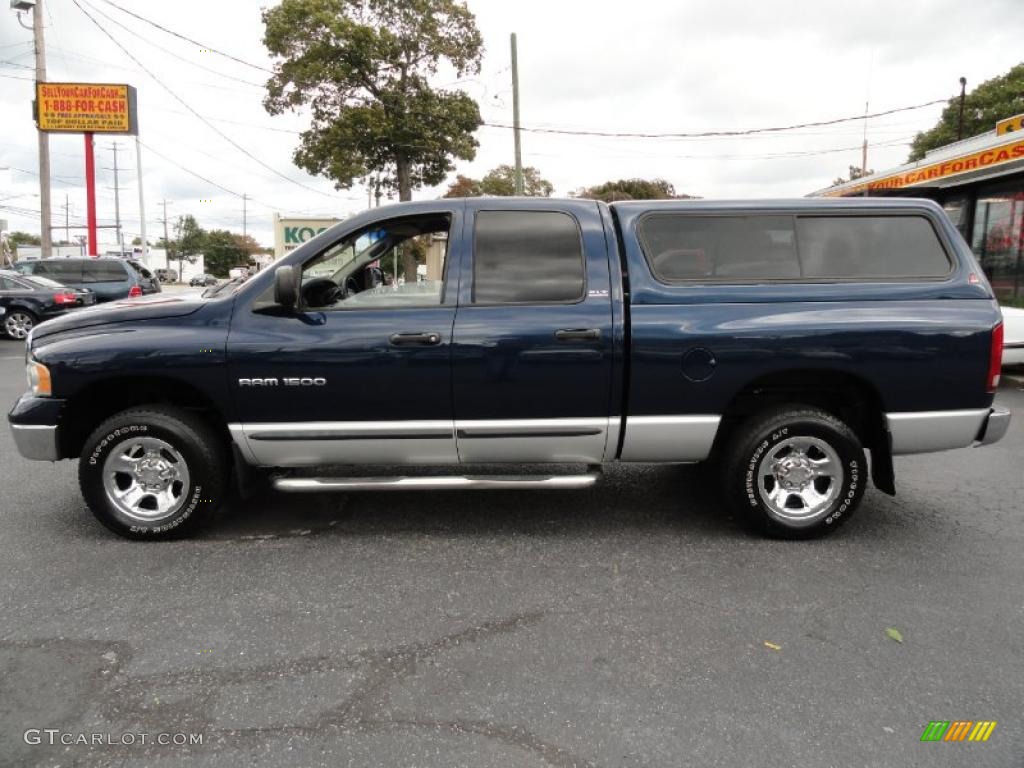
x=108, y=278
x=201, y=281
x=167, y=275
x=30, y=300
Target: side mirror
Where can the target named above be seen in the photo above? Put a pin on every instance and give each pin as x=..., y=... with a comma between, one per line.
x=286, y=286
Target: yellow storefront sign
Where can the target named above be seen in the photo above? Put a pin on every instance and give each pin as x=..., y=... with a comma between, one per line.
x=1004, y=153
x=86, y=108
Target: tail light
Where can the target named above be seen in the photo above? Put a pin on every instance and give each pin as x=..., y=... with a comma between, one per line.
x=995, y=362
x=63, y=299
x=135, y=291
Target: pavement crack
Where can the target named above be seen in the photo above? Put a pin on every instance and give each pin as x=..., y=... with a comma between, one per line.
x=188, y=699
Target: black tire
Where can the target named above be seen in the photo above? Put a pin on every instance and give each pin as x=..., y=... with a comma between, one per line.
x=9, y=320
x=802, y=435
x=190, y=437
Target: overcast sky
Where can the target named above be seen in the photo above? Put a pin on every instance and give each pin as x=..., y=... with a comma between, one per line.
x=643, y=66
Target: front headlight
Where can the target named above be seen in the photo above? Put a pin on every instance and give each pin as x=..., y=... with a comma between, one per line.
x=38, y=378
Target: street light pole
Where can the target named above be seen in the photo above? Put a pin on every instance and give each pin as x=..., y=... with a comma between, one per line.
x=45, y=237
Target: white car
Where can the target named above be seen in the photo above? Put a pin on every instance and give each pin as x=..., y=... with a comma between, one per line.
x=1013, y=336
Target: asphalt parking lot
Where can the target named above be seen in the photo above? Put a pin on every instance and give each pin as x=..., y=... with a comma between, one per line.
x=626, y=625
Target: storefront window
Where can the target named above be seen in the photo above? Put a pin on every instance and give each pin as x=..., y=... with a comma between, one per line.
x=956, y=209
x=998, y=238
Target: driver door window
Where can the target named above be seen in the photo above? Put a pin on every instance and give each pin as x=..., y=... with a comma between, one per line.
x=396, y=264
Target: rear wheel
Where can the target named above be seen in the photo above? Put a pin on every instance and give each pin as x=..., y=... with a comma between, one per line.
x=795, y=472
x=153, y=472
x=18, y=323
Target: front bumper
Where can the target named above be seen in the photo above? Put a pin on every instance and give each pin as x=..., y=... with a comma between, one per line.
x=34, y=426
x=36, y=441
x=994, y=427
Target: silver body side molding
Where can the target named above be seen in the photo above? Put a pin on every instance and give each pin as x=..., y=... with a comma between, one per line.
x=669, y=438
x=925, y=431
x=567, y=441
x=308, y=443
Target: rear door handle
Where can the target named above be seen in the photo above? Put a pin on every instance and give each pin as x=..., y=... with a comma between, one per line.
x=578, y=334
x=429, y=339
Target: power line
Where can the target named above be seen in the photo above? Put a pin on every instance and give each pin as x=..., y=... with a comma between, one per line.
x=188, y=39
x=172, y=53
x=189, y=171
x=194, y=112
x=706, y=134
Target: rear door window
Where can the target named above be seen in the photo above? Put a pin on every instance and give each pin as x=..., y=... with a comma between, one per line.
x=870, y=247
x=105, y=272
x=62, y=271
x=8, y=284
x=527, y=257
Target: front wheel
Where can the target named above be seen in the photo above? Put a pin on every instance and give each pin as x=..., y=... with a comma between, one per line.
x=19, y=323
x=795, y=472
x=153, y=472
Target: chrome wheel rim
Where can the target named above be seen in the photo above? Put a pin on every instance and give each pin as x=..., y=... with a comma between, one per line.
x=146, y=479
x=799, y=479
x=18, y=325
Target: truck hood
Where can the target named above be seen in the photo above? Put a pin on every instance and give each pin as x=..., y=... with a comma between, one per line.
x=154, y=307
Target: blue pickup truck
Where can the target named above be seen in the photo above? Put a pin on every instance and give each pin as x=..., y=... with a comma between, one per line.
x=779, y=341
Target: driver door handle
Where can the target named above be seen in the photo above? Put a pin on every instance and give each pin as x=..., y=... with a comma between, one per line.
x=429, y=339
x=578, y=334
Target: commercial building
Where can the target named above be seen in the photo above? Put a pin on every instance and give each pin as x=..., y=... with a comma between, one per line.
x=980, y=183
x=290, y=233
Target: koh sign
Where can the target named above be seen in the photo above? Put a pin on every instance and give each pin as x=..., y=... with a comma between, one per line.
x=86, y=108
x=289, y=234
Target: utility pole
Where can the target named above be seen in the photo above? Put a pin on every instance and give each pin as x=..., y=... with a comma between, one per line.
x=515, y=117
x=117, y=201
x=960, y=121
x=45, y=236
x=167, y=240
x=864, y=151
x=142, y=201
x=245, y=197
x=67, y=219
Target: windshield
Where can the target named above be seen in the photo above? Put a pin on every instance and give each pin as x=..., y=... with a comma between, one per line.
x=225, y=288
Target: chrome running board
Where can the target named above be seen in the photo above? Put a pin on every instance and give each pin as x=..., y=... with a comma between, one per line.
x=454, y=483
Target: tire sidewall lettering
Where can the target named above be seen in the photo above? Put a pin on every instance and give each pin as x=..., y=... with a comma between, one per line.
x=117, y=436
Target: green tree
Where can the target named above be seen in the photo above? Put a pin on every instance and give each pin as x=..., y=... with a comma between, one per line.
x=464, y=186
x=189, y=239
x=23, y=238
x=856, y=172
x=501, y=182
x=247, y=245
x=631, y=189
x=362, y=67
x=994, y=99
x=222, y=251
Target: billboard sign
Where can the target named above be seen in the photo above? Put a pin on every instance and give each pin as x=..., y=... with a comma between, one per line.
x=86, y=108
x=289, y=234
